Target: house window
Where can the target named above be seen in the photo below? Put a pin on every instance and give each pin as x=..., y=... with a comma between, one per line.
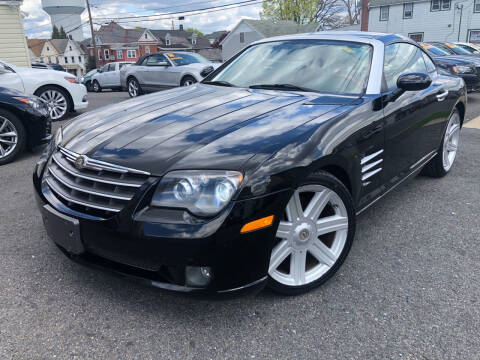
x=119, y=54
x=167, y=41
x=48, y=48
x=242, y=37
x=408, y=10
x=146, y=36
x=384, y=13
x=106, y=53
x=476, y=7
x=58, y=60
x=147, y=50
x=73, y=59
x=416, y=36
x=66, y=60
x=131, y=54
x=70, y=47
x=79, y=59
x=439, y=5
x=49, y=60
x=474, y=36
x=99, y=55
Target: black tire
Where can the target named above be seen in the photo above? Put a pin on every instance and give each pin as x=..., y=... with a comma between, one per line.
x=21, y=136
x=88, y=85
x=96, y=86
x=136, y=84
x=66, y=95
x=188, y=80
x=330, y=182
x=434, y=168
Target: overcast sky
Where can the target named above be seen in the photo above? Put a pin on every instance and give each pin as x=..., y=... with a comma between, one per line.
x=37, y=22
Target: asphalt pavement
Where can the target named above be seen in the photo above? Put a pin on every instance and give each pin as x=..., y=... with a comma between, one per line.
x=409, y=289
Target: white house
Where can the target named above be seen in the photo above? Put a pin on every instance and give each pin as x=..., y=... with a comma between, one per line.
x=66, y=52
x=440, y=20
x=13, y=45
x=248, y=31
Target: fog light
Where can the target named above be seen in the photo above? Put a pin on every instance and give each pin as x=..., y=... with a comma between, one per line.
x=198, y=276
x=85, y=98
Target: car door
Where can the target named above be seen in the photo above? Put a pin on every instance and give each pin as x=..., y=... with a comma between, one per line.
x=111, y=79
x=10, y=79
x=101, y=77
x=410, y=118
x=157, y=66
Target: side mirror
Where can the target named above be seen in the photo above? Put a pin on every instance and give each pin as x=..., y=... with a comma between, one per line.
x=2, y=69
x=99, y=71
x=413, y=82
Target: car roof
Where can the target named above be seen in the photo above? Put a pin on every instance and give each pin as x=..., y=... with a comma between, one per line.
x=360, y=36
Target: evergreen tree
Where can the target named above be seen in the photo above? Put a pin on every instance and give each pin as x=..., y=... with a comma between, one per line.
x=55, y=32
x=62, y=34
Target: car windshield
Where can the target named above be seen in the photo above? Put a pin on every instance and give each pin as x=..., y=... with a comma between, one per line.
x=434, y=50
x=180, y=59
x=470, y=49
x=91, y=72
x=316, y=65
x=457, y=49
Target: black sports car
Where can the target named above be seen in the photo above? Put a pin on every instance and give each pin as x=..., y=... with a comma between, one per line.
x=254, y=176
x=24, y=122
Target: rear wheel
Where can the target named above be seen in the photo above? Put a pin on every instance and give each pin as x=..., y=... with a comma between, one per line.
x=96, y=86
x=134, y=88
x=13, y=137
x=313, y=237
x=441, y=164
x=88, y=85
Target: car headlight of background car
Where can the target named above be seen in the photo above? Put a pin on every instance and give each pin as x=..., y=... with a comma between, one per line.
x=464, y=69
x=203, y=193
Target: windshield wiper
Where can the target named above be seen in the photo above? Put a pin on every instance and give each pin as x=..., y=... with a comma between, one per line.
x=219, y=83
x=281, y=87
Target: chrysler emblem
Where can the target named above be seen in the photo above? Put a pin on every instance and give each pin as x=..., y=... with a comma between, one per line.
x=80, y=162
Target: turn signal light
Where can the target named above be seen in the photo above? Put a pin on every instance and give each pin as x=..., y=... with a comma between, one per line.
x=257, y=224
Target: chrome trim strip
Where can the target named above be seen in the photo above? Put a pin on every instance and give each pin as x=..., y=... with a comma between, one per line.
x=370, y=157
x=422, y=159
x=243, y=287
x=369, y=166
x=91, y=178
x=414, y=172
x=101, y=164
x=48, y=181
x=370, y=174
x=105, y=195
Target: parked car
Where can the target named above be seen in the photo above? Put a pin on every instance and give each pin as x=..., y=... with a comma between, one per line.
x=87, y=79
x=57, y=67
x=452, y=48
x=108, y=76
x=255, y=175
x=165, y=70
x=471, y=48
x=467, y=68
x=24, y=123
x=61, y=91
x=40, y=65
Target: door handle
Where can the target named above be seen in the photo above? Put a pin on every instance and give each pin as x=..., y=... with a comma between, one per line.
x=442, y=96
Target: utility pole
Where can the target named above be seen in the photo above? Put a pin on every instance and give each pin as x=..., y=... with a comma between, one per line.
x=93, y=35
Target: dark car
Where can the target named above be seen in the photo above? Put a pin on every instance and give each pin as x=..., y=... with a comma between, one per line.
x=87, y=79
x=467, y=68
x=57, y=67
x=24, y=123
x=454, y=48
x=40, y=65
x=254, y=176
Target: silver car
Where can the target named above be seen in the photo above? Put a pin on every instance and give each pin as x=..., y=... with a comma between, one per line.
x=108, y=76
x=165, y=70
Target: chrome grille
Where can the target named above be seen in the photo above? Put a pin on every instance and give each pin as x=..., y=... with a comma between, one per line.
x=91, y=186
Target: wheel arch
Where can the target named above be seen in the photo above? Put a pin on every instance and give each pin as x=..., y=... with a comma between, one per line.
x=188, y=75
x=460, y=106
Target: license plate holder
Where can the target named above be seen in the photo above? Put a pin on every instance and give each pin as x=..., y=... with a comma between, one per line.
x=63, y=230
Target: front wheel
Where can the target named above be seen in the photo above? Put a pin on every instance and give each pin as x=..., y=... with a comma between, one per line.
x=12, y=137
x=314, y=235
x=134, y=88
x=96, y=86
x=57, y=102
x=188, y=80
x=441, y=164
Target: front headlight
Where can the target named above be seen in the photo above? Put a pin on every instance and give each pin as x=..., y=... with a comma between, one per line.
x=35, y=102
x=465, y=69
x=203, y=193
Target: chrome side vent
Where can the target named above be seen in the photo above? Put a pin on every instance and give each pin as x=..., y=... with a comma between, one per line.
x=91, y=186
x=370, y=166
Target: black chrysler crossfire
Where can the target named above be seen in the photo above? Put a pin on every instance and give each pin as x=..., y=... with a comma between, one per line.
x=255, y=176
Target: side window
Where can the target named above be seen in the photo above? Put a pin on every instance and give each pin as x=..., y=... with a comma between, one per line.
x=111, y=67
x=105, y=68
x=401, y=58
x=429, y=63
x=156, y=59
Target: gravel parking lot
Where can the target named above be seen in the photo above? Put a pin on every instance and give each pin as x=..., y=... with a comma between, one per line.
x=409, y=289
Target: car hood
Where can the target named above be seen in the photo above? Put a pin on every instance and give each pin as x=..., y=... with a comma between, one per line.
x=38, y=73
x=200, y=126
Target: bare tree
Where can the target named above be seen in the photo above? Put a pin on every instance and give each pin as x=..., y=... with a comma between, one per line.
x=328, y=14
x=352, y=8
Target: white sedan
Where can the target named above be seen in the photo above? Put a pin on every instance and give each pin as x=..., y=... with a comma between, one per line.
x=61, y=91
x=108, y=76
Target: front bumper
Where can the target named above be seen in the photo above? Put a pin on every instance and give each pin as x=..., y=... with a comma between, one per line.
x=79, y=96
x=158, y=253
x=472, y=81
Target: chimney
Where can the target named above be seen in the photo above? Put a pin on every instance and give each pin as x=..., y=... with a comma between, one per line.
x=181, y=27
x=70, y=37
x=364, y=16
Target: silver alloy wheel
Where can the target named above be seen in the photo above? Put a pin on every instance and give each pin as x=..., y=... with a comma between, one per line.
x=450, y=142
x=311, y=238
x=133, y=88
x=95, y=86
x=56, y=102
x=8, y=137
x=189, y=82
